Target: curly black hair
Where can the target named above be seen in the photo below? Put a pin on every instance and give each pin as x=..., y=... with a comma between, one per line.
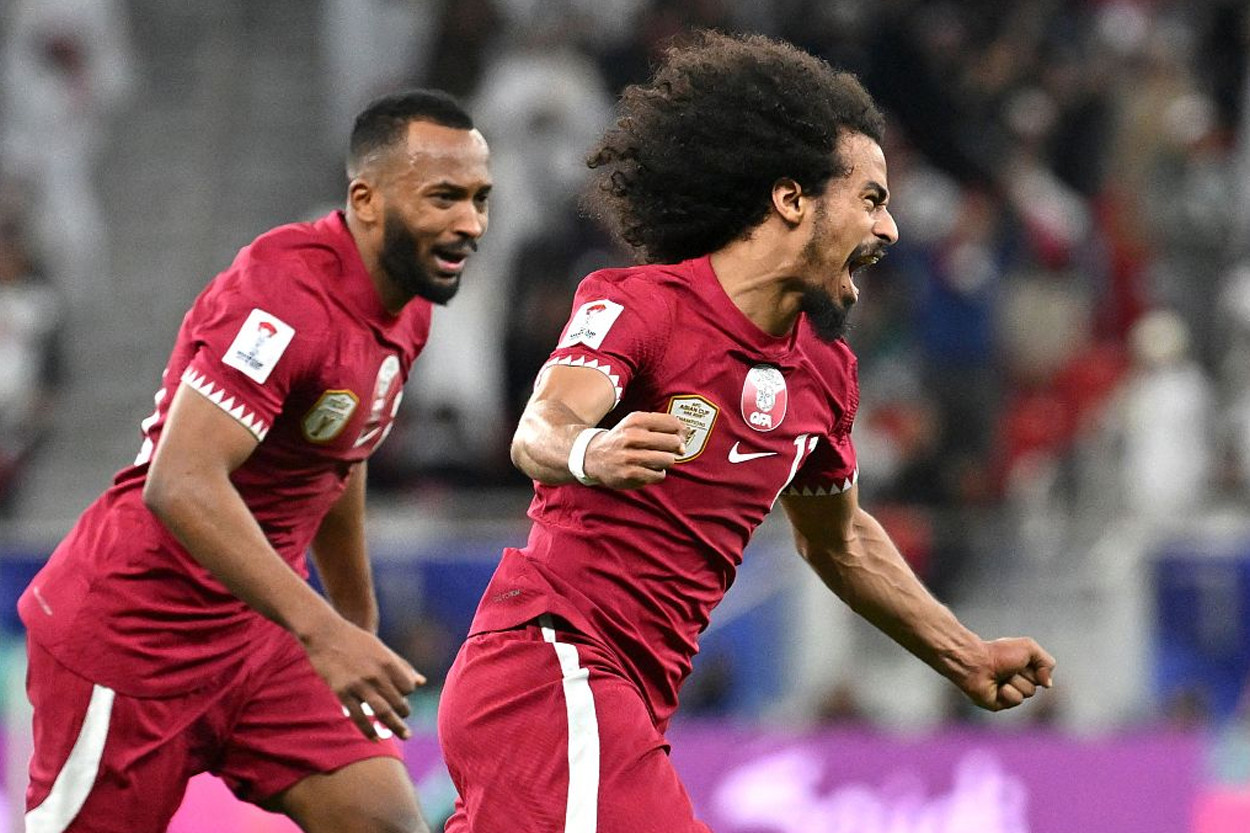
x=690, y=164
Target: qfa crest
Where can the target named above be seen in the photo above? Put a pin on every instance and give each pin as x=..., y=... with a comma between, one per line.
x=764, y=397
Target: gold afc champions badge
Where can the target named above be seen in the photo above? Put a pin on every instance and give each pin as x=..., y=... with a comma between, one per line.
x=699, y=416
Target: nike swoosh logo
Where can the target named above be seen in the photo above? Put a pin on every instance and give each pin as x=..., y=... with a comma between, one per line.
x=736, y=456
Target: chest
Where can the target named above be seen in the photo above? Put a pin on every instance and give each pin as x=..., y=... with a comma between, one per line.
x=751, y=422
x=348, y=407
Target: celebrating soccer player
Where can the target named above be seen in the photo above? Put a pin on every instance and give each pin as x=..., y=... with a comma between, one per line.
x=685, y=397
x=172, y=632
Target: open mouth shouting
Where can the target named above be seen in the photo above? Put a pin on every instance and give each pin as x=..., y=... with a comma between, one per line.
x=864, y=256
x=450, y=259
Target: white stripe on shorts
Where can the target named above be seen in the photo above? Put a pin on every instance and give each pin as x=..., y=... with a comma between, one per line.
x=582, y=811
x=74, y=782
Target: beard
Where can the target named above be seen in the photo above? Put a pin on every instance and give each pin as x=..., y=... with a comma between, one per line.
x=826, y=314
x=398, y=259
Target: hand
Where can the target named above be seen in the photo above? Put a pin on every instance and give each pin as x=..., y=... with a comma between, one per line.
x=1010, y=673
x=362, y=672
x=637, y=452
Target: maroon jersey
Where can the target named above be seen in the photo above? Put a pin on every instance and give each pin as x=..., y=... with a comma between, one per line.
x=643, y=569
x=293, y=342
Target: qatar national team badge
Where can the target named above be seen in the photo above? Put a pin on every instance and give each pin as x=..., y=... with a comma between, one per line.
x=764, y=397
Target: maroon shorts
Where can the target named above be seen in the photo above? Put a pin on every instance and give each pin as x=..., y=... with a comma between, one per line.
x=107, y=762
x=542, y=732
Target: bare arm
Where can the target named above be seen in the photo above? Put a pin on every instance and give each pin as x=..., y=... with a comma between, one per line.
x=342, y=557
x=567, y=400
x=855, y=558
x=188, y=488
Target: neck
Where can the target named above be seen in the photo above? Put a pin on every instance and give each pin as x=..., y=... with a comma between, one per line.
x=759, y=276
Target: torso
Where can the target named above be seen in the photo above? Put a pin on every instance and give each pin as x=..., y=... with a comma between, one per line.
x=642, y=570
x=291, y=342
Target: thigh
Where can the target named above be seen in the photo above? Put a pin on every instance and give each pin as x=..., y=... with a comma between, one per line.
x=104, y=762
x=541, y=731
x=290, y=727
x=373, y=795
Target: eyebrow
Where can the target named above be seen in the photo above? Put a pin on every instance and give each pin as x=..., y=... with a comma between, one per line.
x=879, y=192
x=447, y=185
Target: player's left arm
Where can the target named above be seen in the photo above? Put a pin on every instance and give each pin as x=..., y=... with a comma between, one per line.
x=342, y=556
x=856, y=559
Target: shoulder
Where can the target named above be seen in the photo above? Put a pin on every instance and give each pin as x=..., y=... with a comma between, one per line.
x=635, y=303
x=643, y=280
x=648, y=291
x=287, y=272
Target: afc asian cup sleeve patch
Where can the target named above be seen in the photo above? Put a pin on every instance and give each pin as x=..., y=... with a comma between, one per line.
x=260, y=342
x=591, y=323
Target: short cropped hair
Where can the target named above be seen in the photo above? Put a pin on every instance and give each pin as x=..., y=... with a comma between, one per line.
x=384, y=122
x=691, y=161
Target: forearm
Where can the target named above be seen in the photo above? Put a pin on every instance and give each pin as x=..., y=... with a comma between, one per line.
x=210, y=519
x=543, y=440
x=871, y=576
x=342, y=557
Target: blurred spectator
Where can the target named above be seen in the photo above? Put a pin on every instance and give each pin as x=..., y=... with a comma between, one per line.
x=66, y=72
x=1188, y=709
x=840, y=706
x=467, y=33
x=1235, y=382
x=30, y=373
x=546, y=270
x=1164, y=420
x=369, y=47
x=541, y=105
x=657, y=25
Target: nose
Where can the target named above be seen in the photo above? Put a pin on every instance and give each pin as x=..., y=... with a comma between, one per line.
x=470, y=221
x=885, y=228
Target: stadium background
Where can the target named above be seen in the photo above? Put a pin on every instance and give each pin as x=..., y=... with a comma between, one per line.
x=1055, y=365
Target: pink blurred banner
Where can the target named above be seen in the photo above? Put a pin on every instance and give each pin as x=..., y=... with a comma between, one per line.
x=750, y=780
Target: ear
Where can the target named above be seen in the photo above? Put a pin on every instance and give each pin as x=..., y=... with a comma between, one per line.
x=789, y=201
x=365, y=201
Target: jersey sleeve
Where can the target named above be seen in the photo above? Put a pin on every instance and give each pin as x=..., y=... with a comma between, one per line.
x=832, y=466
x=249, y=351
x=615, y=328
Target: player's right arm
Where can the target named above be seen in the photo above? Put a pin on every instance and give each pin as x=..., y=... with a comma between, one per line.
x=636, y=452
x=189, y=489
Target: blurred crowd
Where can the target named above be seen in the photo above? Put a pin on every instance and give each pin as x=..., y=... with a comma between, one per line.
x=1065, y=319
x=65, y=68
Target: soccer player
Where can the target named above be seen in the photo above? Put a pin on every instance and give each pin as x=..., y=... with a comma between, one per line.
x=685, y=397
x=172, y=631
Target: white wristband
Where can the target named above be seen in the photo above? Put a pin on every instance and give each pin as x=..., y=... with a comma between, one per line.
x=577, y=455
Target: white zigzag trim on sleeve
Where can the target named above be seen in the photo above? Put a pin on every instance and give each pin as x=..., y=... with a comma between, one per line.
x=582, y=361
x=832, y=489
x=218, y=397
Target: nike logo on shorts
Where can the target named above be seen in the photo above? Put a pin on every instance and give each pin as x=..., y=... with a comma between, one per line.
x=735, y=456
